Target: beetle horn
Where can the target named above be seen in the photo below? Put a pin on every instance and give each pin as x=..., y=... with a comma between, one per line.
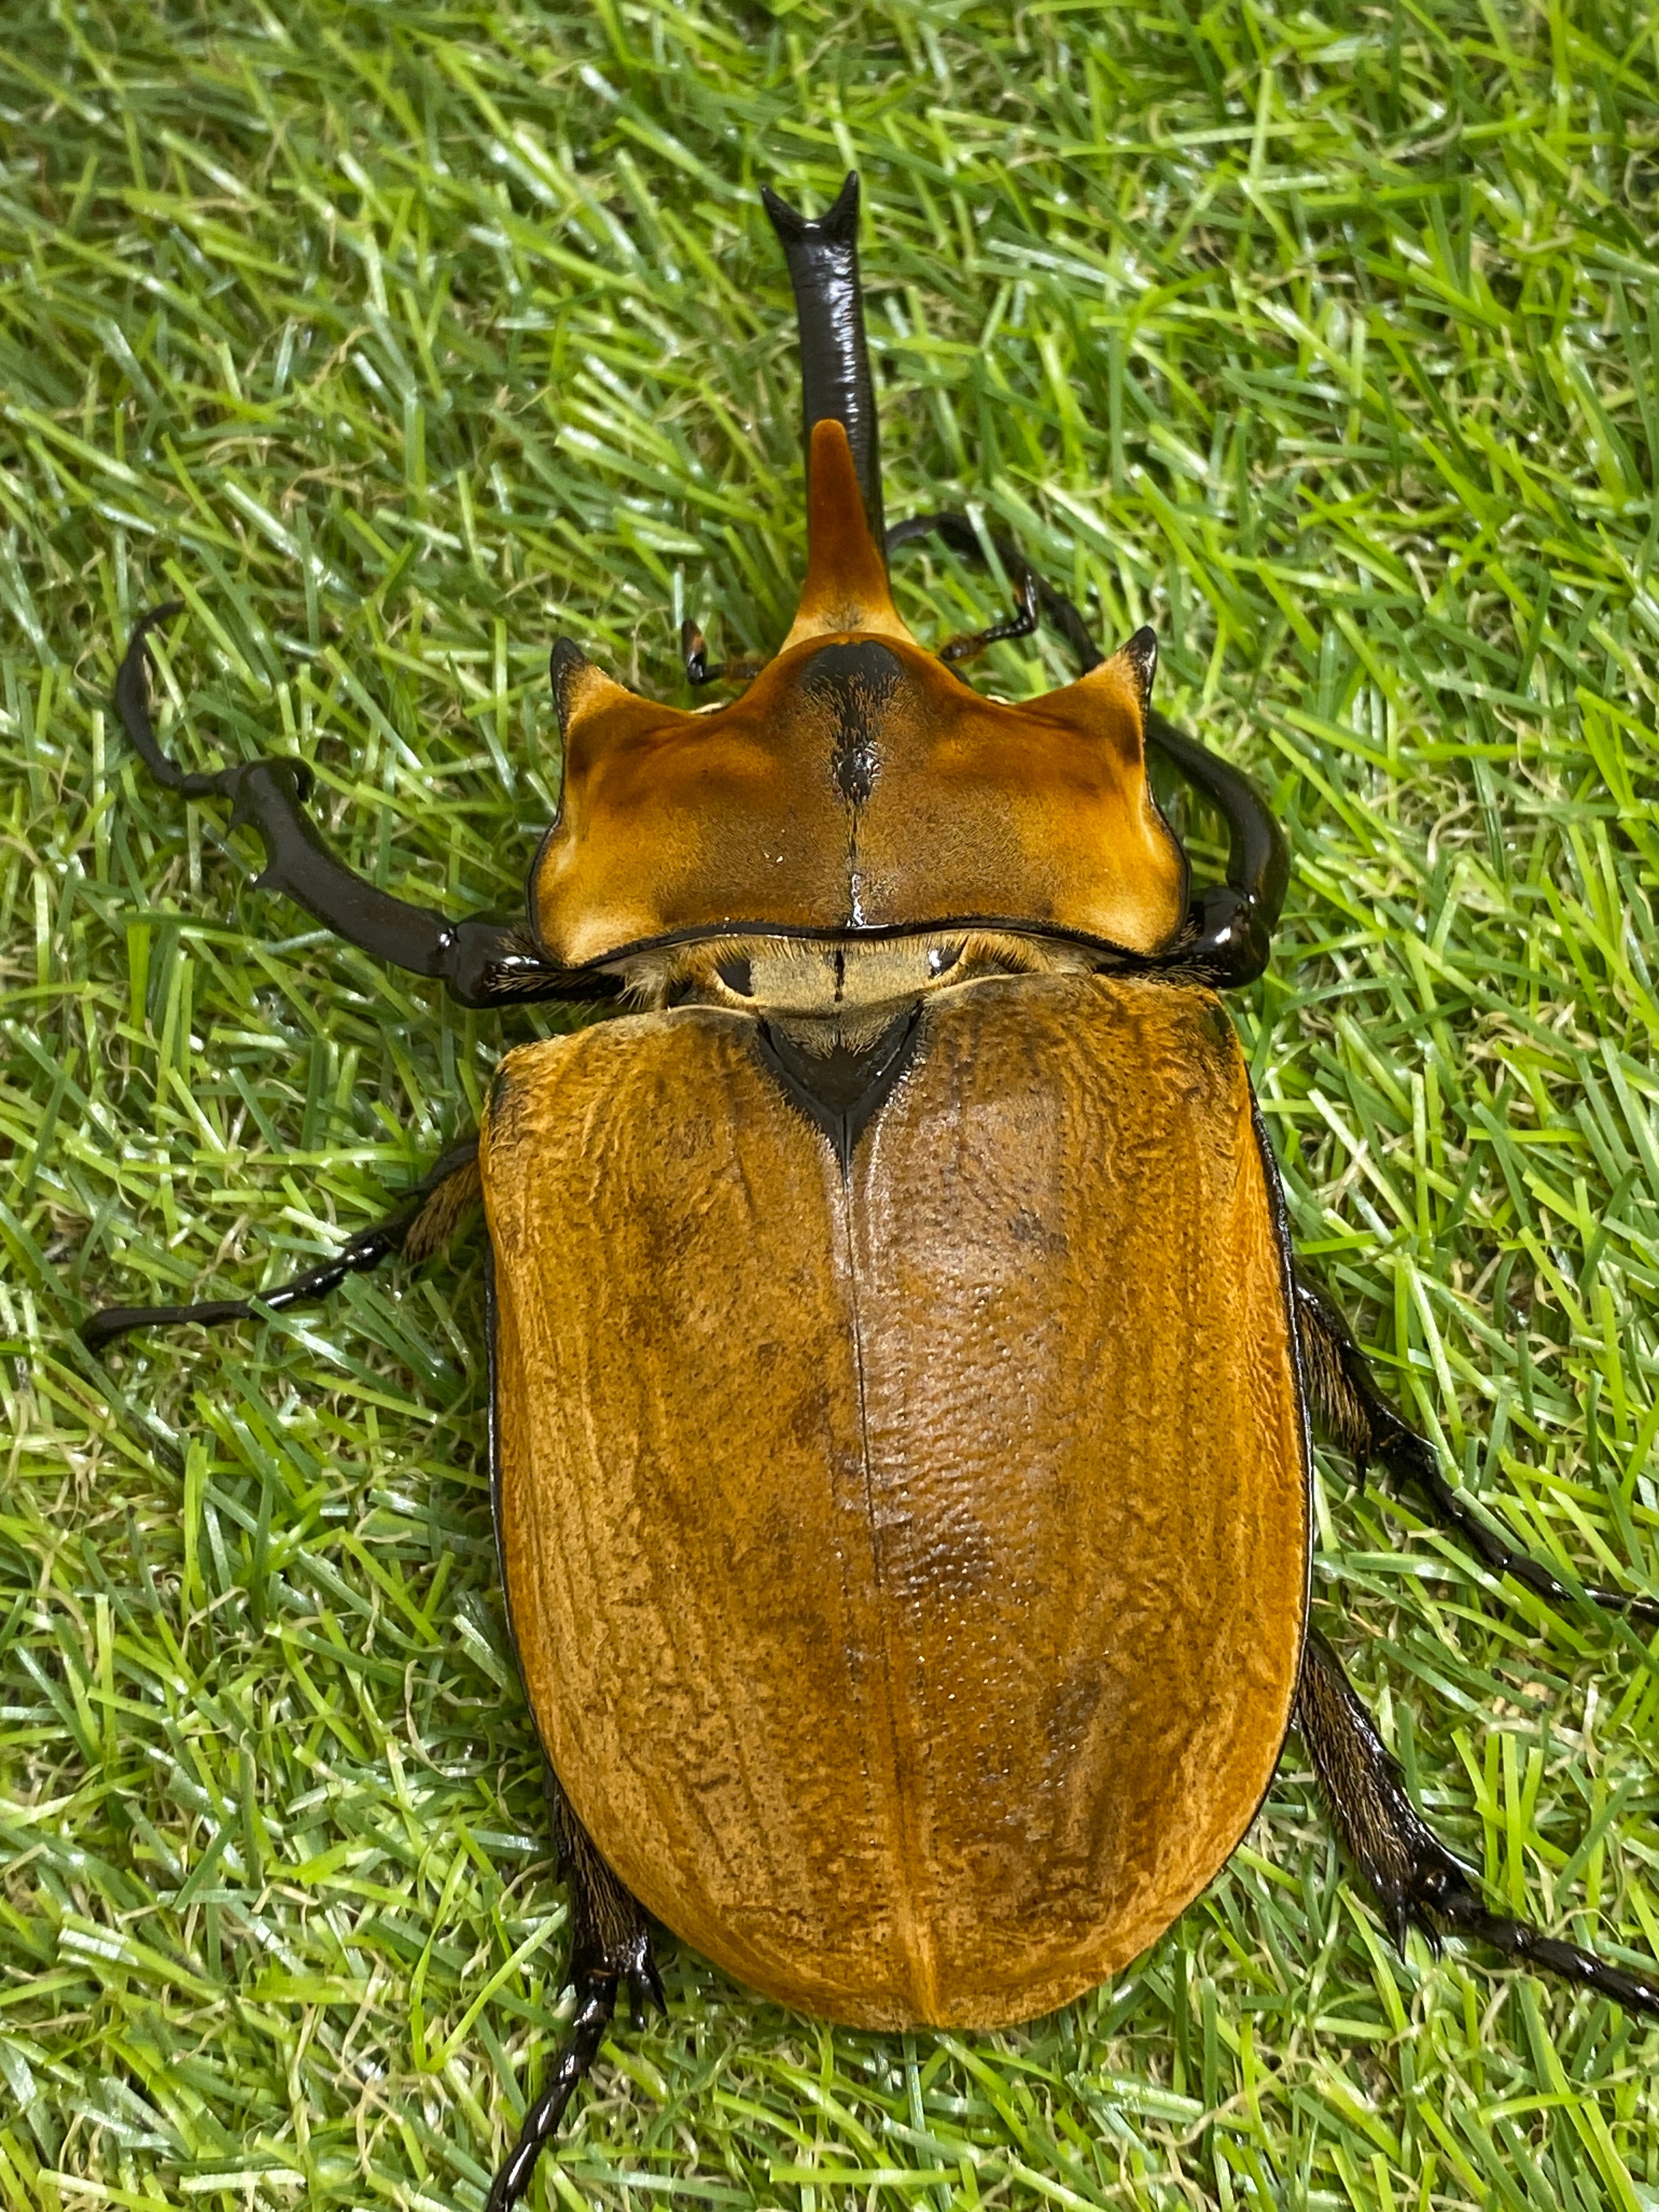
x=1137, y=659
x=845, y=587
x=835, y=382
x=594, y=710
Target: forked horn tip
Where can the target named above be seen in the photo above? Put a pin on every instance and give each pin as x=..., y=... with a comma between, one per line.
x=836, y=226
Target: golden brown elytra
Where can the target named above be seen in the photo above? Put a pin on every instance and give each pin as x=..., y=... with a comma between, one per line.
x=908, y=1566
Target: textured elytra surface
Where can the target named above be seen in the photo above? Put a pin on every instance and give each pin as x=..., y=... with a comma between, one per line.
x=405, y=338
x=908, y=1564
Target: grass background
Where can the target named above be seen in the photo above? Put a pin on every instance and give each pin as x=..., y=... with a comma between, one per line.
x=396, y=339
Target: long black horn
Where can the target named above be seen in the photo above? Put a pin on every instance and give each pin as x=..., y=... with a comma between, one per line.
x=823, y=269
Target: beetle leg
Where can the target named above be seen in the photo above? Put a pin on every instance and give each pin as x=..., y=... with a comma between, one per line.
x=610, y=1930
x=960, y=535
x=1020, y=623
x=416, y=1231
x=482, y=960
x=1418, y=1882
x=611, y=1944
x=694, y=657
x=596, y=2000
x=1362, y=1424
x=1231, y=924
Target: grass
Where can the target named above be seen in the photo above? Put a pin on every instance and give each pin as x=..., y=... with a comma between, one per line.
x=395, y=339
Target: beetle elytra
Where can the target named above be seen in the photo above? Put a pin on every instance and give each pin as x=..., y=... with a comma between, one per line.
x=902, y=1375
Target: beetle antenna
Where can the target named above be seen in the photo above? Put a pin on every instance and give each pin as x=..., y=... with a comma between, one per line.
x=835, y=381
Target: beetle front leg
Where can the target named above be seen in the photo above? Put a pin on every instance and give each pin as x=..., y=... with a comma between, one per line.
x=417, y=1230
x=483, y=962
x=611, y=1944
x=1418, y=1882
x=1362, y=1424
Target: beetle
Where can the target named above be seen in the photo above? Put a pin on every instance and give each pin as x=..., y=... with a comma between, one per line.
x=900, y=1377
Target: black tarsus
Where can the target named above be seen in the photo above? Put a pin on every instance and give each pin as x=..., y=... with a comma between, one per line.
x=357, y=1256
x=1418, y=1882
x=596, y=2002
x=694, y=656
x=960, y=535
x=133, y=705
x=481, y=961
x=1363, y=1425
x=1231, y=925
x=835, y=381
x=611, y=1945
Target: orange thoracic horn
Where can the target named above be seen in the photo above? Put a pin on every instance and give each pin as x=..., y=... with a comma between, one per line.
x=846, y=583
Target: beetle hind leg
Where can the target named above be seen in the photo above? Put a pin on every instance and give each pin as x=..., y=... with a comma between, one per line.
x=1362, y=1423
x=610, y=1947
x=610, y=1930
x=596, y=2000
x=1418, y=1882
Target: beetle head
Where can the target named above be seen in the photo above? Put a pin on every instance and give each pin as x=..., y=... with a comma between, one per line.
x=858, y=788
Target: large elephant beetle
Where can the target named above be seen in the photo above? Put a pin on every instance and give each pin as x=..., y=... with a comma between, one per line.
x=902, y=1378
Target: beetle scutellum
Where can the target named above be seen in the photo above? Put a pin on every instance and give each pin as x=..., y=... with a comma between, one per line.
x=902, y=1375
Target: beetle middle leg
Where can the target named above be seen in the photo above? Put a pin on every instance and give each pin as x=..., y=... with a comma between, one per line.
x=611, y=1944
x=1362, y=1424
x=421, y=1227
x=1418, y=1882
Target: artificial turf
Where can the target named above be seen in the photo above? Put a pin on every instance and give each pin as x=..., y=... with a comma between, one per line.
x=396, y=339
